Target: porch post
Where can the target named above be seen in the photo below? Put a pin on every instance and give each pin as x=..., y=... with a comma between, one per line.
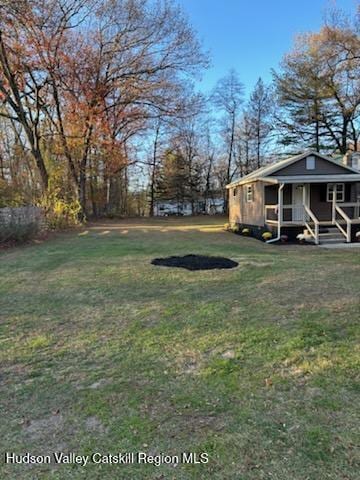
x=280, y=203
x=305, y=199
x=305, y=187
x=333, y=205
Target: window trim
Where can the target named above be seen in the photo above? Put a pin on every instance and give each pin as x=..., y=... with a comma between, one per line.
x=249, y=193
x=331, y=192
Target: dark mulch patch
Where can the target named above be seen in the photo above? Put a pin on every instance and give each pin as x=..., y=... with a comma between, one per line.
x=195, y=262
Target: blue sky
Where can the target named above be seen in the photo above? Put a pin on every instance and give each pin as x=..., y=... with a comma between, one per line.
x=252, y=35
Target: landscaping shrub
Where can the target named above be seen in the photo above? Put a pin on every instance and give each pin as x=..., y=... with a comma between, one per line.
x=18, y=233
x=59, y=212
x=266, y=236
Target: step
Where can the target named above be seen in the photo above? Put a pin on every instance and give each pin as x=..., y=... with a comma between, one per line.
x=333, y=240
x=333, y=229
x=331, y=234
x=329, y=240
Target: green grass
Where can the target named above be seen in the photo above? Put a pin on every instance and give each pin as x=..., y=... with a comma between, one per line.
x=101, y=351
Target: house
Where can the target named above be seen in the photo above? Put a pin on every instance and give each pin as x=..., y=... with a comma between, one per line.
x=308, y=193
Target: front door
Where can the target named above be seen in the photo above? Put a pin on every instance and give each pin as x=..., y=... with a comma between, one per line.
x=297, y=202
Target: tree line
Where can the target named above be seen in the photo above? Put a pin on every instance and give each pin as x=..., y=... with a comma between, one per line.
x=99, y=114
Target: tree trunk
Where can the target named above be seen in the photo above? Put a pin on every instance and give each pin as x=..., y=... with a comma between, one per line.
x=41, y=166
x=82, y=176
x=228, y=171
x=62, y=134
x=153, y=172
x=258, y=143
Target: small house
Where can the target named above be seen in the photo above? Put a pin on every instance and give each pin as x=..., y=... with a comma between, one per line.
x=309, y=193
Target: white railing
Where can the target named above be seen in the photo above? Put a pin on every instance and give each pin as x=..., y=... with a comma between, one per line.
x=355, y=206
x=347, y=232
x=304, y=215
x=314, y=232
x=275, y=208
x=297, y=213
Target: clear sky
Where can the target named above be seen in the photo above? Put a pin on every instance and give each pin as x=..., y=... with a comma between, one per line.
x=252, y=35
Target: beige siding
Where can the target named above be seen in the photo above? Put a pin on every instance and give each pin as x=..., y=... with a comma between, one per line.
x=249, y=213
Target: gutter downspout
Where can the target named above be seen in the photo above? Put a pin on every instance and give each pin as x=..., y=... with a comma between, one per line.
x=280, y=213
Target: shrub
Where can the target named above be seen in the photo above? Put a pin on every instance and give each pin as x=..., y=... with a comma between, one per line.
x=59, y=213
x=235, y=228
x=18, y=233
x=227, y=227
x=245, y=231
x=266, y=236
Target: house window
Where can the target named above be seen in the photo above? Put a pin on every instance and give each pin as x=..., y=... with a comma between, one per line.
x=249, y=193
x=234, y=192
x=340, y=192
x=310, y=163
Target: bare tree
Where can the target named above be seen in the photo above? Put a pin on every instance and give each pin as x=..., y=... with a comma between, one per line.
x=228, y=97
x=259, y=110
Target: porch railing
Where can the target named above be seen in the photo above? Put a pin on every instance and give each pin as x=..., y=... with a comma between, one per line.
x=271, y=213
x=290, y=213
x=347, y=213
x=344, y=215
x=312, y=229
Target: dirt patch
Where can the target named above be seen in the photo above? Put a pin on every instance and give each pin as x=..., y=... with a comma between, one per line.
x=44, y=427
x=95, y=425
x=195, y=262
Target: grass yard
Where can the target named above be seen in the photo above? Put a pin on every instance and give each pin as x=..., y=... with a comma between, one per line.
x=100, y=351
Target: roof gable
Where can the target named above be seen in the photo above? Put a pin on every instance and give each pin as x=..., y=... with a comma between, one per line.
x=296, y=166
x=322, y=166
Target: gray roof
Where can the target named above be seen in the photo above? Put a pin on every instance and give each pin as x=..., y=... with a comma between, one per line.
x=262, y=174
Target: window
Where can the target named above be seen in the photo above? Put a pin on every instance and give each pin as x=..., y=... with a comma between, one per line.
x=249, y=193
x=340, y=192
x=234, y=192
x=310, y=163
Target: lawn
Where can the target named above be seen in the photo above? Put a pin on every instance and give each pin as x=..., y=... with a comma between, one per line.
x=100, y=351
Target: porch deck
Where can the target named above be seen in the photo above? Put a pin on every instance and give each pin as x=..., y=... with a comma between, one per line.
x=344, y=216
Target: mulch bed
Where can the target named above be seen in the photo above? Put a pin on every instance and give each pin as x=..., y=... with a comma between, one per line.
x=195, y=262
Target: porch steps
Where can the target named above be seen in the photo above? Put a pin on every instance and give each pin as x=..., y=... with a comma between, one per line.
x=330, y=235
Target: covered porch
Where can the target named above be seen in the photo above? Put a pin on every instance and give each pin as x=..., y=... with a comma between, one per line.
x=314, y=205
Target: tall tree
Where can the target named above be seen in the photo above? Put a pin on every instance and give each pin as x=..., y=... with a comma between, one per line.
x=228, y=97
x=173, y=181
x=318, y=88
x=259, y=110
x=83, y=77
